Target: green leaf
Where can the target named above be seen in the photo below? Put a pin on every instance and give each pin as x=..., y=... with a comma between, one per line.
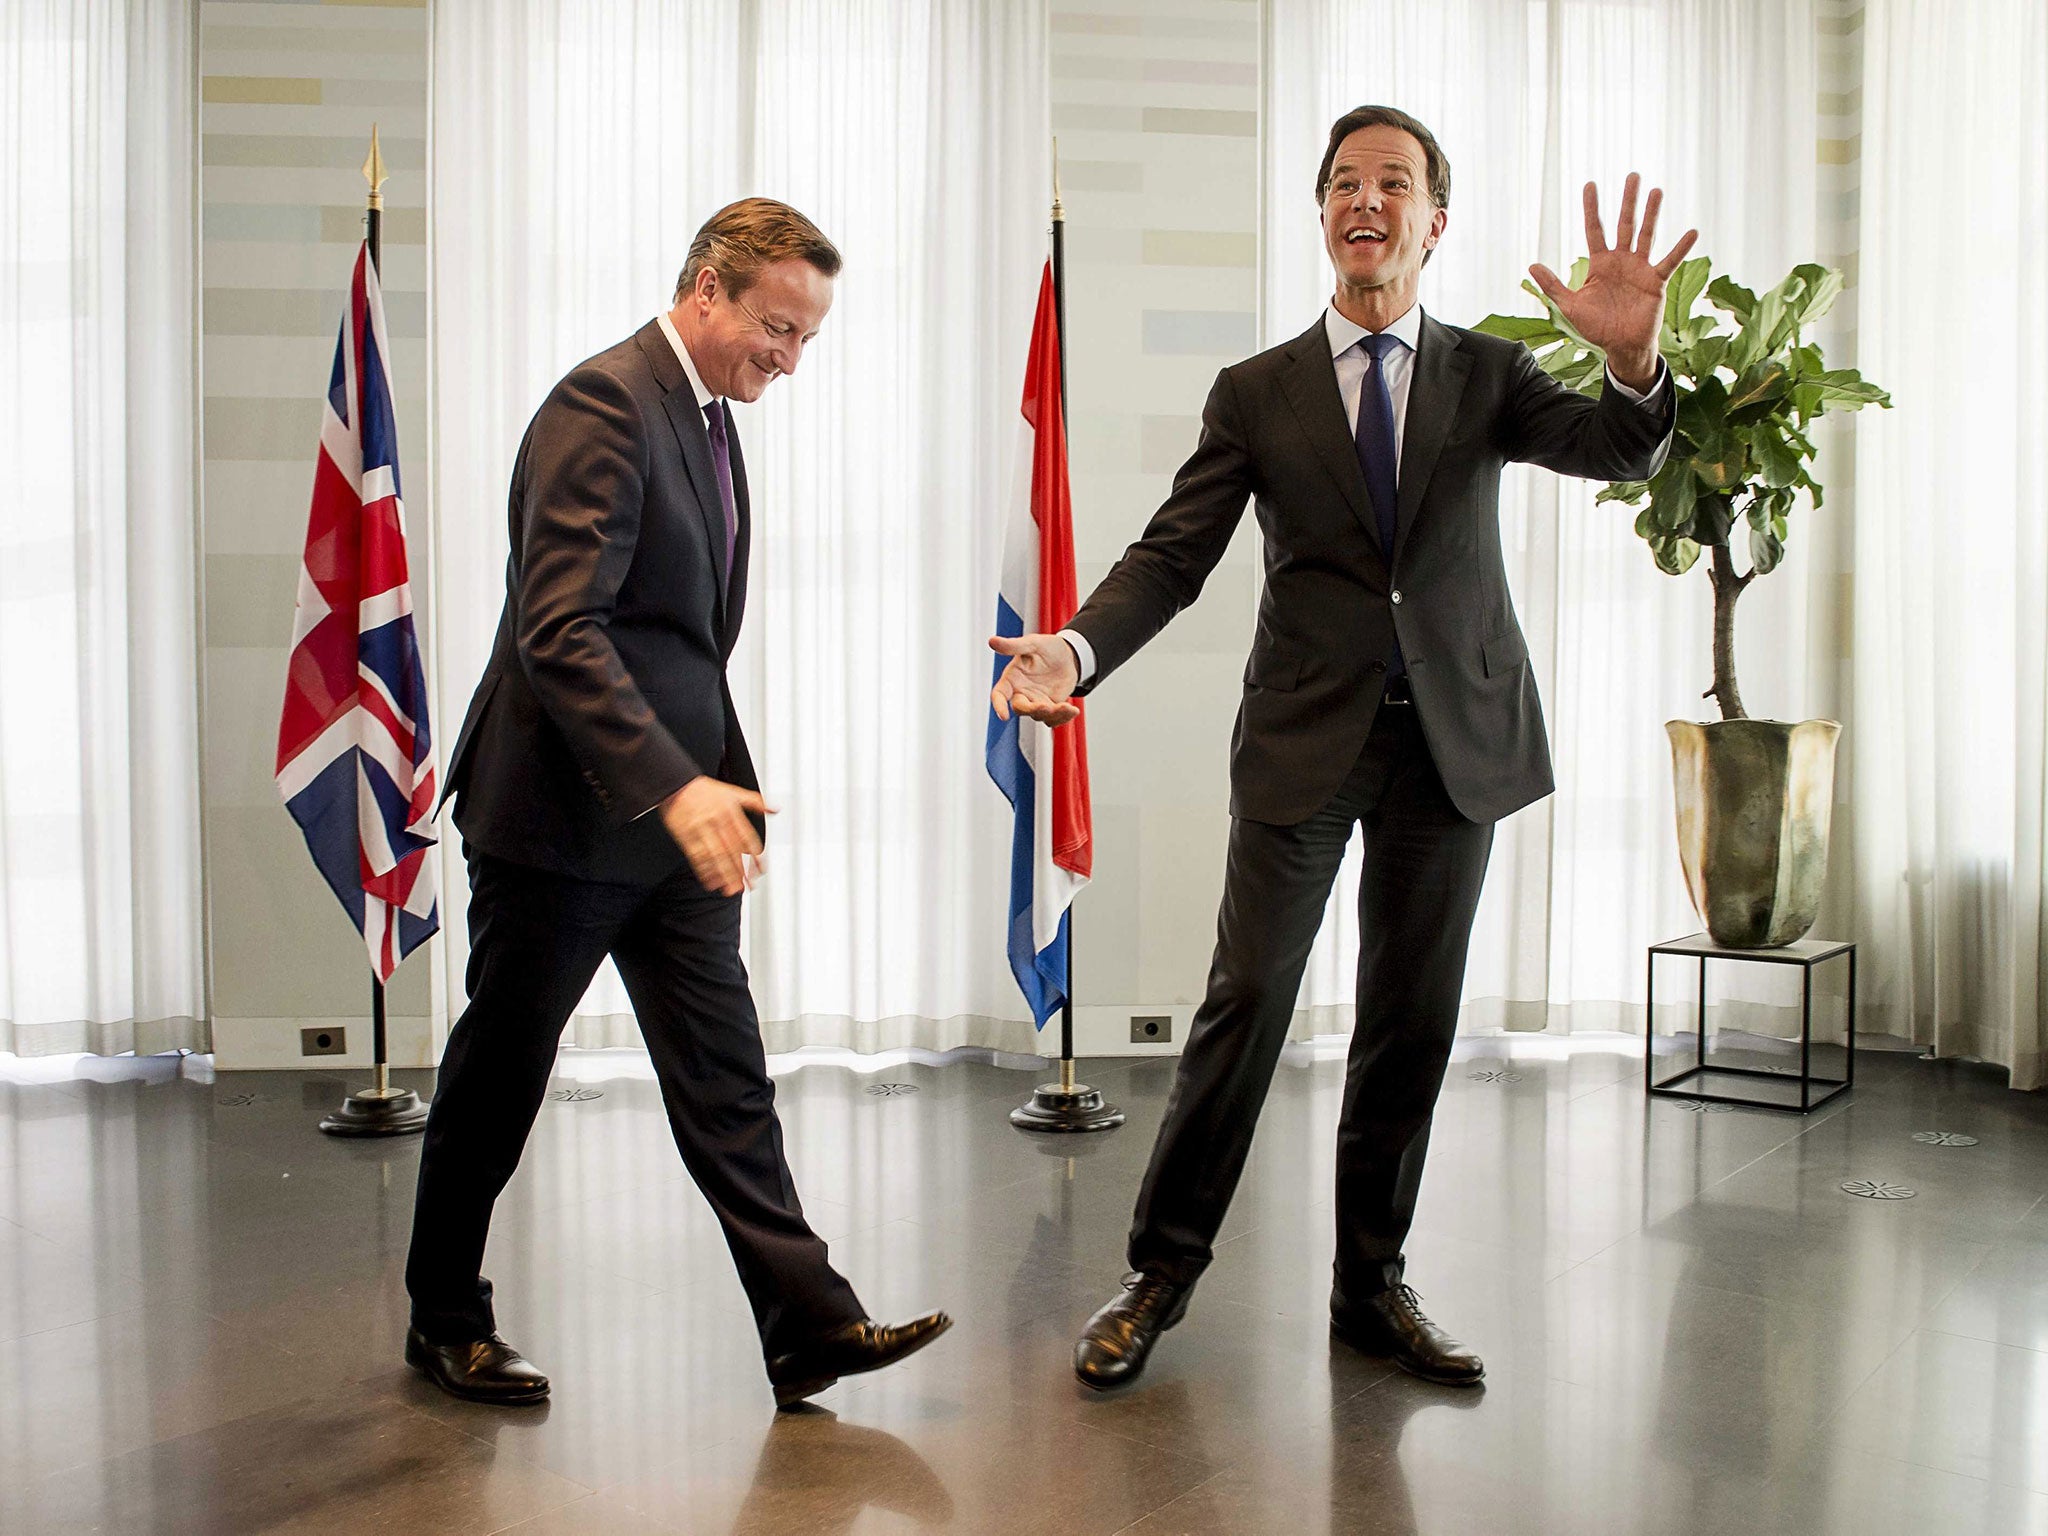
x=1630, y=491
x=1847, y=387
x=1580, y=268
x=1774, y=456
x=1705, y=355
x=1822, y=286
x=1703, y=412
x=1646, y=525
x=1765, y=551
x=1712, y=519
x=1675, y=556
x=1758, y=387
x=1673, y=495
x=1730, y=296
x=1720, y=468
x=1684, y=289
x=1528, y=329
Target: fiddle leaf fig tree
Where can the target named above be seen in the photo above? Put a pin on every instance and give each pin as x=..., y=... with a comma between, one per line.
x=1750, y=386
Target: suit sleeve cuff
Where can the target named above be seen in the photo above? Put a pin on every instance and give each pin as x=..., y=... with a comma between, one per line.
x=1084, y=653
x=1643, y=397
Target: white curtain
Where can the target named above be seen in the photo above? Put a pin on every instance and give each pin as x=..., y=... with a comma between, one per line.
x=1714, y=100
x=1951, y=529
x=100, y=910
x=576, y=148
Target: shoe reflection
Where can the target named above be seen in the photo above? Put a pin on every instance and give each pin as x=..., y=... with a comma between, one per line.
x=1365, y=1473
x=818, y=1474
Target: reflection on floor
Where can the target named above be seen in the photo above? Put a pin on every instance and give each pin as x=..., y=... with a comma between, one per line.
x=1689, y=1327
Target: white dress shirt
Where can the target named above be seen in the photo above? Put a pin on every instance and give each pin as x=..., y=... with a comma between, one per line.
x=1351, y=360
x=668, y=329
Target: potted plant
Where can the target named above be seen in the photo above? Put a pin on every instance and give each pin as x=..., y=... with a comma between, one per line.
x=1753, y=796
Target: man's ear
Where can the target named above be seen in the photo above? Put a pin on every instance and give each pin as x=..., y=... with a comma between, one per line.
x=1436, y=228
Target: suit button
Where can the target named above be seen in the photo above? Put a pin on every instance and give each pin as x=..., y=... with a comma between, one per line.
x=1379, y=666
x=1397, y=595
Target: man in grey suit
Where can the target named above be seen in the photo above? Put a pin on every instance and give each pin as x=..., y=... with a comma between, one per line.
x=608, y=806
x=1388, y=688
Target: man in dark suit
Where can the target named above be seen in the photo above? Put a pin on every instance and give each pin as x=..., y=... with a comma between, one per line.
x=1388, y=687
x=608, y=806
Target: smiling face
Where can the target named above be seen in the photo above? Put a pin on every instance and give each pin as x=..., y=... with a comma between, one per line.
x=1379, y=224
x=742, y=342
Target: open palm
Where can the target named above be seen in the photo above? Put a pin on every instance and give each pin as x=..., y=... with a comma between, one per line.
x=1620, y=306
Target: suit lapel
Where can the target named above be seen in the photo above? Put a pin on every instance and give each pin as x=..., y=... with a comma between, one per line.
x=686, y=417
x=736, y=583
x=1310, y=384
x=1441, y=367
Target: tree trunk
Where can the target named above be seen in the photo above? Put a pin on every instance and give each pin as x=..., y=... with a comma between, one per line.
x=1727, y=588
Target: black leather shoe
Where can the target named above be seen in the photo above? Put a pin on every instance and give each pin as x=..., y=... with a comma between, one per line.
x=863, y=1346
x=483, y=1370
x=1392, y=1324
x=1113, y=1347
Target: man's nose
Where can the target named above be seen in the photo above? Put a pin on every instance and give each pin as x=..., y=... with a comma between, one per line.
x=787, y=355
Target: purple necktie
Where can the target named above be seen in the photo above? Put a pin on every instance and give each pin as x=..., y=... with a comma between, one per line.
x=721, y=460
x=1376, y=454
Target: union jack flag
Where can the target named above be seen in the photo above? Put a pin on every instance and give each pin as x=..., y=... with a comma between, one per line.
x=355, y=760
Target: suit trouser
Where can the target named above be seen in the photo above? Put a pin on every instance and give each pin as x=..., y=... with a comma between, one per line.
x=536, y=939
x=1419, y=889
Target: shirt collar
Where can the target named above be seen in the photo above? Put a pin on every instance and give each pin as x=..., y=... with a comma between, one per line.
x=1344, y=334
x=668, y=329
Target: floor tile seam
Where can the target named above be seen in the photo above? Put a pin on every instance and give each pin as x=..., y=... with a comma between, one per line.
x=1971, y=1338
x=1829, y=1421
x=1215, y=1466
x=81, y=1322
x=1161, y=1509
x=2039, y=1491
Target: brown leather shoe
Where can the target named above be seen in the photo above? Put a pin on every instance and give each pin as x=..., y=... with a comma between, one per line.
x=484, y=1370
x=1113, y=1348
x=863, y=1346
x=1392, y=1324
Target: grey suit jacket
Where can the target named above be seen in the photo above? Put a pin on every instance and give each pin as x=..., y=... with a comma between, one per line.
x=1274, y=431
x=606, y=688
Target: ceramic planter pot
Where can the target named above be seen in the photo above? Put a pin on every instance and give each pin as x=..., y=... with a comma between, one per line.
x=1753, y=799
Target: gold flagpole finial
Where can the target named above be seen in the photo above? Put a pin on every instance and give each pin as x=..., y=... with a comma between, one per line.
x=373, y=170
x=1059, y=213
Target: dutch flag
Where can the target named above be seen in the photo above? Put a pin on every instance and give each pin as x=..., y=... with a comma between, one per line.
x=1042, y=771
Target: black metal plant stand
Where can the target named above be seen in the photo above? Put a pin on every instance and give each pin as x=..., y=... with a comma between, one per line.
x=1807, y=954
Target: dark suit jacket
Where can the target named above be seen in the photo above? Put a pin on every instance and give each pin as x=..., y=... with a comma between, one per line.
x=606, y=689
x=1274, y=429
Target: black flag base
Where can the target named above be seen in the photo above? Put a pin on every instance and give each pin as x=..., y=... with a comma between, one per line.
x=1066, y=1106
x=382, y=1111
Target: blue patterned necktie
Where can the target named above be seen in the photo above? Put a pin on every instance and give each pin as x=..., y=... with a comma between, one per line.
x=1377, y=455
x=721, y=461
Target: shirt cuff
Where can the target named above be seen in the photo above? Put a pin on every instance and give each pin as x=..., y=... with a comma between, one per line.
x=1084, y=653
x=1640, y=397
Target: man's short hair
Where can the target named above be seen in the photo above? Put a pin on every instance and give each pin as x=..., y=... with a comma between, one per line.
x=1436, y=168
x=742, y=239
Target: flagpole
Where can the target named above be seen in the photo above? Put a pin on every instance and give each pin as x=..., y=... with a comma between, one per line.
x=1065, y=1105
x=381, y=1110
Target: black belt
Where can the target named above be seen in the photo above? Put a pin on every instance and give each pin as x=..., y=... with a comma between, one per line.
x=1398, y=691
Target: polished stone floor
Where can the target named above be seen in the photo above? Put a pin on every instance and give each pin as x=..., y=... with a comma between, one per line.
x=1689, y=1327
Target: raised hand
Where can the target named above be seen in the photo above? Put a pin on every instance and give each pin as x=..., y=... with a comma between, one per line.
x=1620, y=306
x=708, y=820
x=1040, y=680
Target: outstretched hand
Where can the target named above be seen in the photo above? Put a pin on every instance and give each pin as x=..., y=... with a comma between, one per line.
x=1620, y=306
x=1040, y=680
